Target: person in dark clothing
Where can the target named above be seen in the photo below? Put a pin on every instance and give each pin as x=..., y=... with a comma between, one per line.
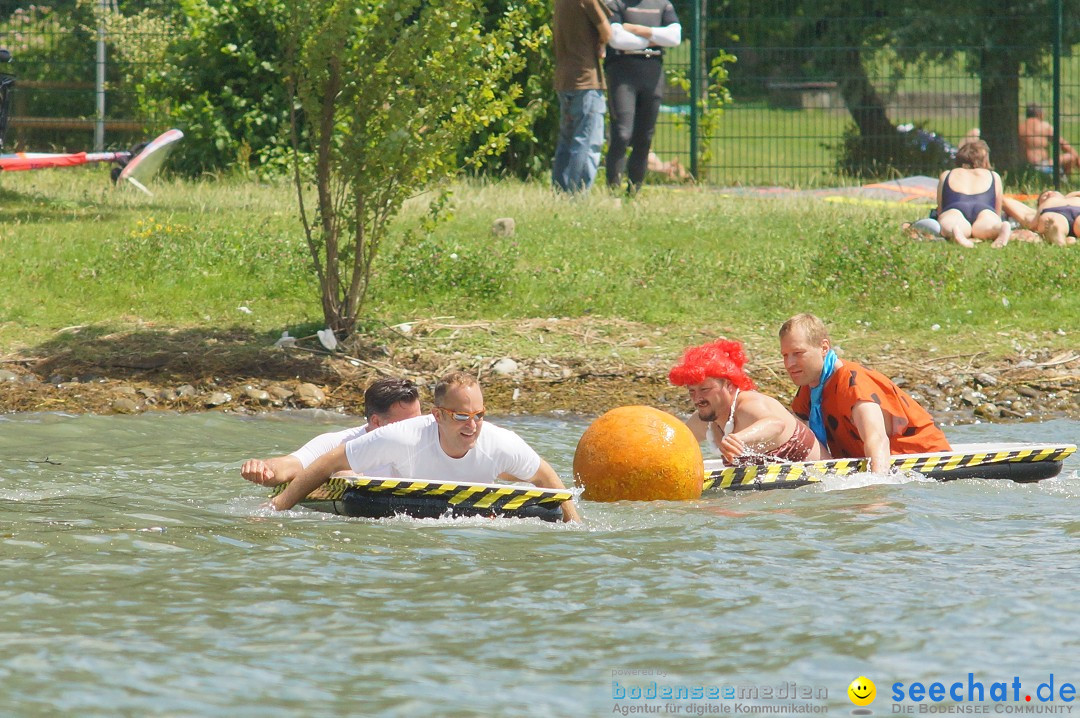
x=640, y=29
x=1056, y=217
x=969, y=199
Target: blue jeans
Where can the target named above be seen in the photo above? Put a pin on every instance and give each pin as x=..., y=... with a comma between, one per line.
x=581, y=134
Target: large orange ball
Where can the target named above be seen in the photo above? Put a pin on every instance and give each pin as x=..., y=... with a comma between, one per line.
x=638, y=453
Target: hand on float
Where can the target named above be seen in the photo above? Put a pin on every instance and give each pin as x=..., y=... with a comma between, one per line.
x=569, y=513
x=732, y=447
x=258, y=472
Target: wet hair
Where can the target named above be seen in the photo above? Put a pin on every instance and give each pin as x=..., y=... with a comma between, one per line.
x=974, y=155
x=722, y=359
x=454, y=378
x=812, y=328
x=384, y=393
x=1033, y=110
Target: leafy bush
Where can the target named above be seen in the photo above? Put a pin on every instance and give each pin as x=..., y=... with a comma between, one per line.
x=531, y=148
x=221, y=82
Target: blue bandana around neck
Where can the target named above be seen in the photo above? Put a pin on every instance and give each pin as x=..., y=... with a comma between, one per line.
x=817, y=421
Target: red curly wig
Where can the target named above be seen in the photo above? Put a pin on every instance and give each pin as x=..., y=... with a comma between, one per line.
x=722, y=359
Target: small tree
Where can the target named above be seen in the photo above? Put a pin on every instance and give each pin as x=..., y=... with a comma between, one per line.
x=386, y=92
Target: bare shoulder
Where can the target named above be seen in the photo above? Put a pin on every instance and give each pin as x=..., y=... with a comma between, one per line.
x=760, y=404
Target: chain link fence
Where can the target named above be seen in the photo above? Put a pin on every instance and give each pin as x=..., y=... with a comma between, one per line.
x=74, y=89
x=817, y=97
x=820, y=97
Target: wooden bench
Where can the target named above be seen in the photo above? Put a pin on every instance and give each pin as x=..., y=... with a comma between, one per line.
x=805, y=95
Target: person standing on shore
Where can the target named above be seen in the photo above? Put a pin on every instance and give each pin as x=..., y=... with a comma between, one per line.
x=580, y=32
x=854, y=410
x=640, y=29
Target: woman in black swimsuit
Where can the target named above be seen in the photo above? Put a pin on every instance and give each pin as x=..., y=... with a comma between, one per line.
x=969, y=199
x=1056, y=216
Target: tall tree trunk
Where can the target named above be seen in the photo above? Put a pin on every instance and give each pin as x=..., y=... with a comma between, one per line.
x=999, y=100
x=861, y=99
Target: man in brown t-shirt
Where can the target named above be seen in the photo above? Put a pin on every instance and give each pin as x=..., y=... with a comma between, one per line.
x=581, y=30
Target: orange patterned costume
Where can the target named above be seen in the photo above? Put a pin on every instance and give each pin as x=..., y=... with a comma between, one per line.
x=911, y=428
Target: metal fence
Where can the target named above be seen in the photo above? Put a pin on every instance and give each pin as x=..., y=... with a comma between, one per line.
x=74, y=89
x=790, y=121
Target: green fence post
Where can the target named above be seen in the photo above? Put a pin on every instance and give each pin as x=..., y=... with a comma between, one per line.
x=695, y=86
x=1057, y=94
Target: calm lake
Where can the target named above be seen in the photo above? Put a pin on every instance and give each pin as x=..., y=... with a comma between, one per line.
x=141, y=577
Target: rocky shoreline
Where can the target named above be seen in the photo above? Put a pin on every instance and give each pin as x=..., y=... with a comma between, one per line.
x=954, y=389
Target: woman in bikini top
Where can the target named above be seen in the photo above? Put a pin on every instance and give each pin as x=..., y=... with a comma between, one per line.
x=969, y=199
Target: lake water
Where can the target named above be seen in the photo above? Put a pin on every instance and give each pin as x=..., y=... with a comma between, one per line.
x=141, y=577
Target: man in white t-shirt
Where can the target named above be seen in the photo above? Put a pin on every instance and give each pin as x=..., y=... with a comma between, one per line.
x=386, y=401
x=454, y=443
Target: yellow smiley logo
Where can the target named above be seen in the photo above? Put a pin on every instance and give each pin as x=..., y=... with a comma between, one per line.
x=862, y=691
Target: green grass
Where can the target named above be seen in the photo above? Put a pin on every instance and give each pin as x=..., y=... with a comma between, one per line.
x=79, y=251
x=677, y=260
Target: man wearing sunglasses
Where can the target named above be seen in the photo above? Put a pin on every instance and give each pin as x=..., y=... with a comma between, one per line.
x=453, y=443
x=386, y=401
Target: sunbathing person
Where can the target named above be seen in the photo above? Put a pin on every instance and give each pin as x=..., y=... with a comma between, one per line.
x=1035, y=136
x=969, y=199
x=1056, y=216
x=746, y=426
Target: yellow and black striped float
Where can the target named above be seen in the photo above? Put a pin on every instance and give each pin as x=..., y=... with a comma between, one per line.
x=378, y=498
x=1014, y=462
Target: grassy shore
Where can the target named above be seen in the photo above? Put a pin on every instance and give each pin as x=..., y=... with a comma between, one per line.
x=226, y=258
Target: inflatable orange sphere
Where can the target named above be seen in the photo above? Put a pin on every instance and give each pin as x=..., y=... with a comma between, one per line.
x=638, y=453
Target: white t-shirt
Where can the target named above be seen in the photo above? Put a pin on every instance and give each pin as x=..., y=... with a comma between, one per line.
x=325, y=443
x=411, y=449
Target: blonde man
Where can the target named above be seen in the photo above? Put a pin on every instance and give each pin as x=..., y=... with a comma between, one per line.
x=854, y=410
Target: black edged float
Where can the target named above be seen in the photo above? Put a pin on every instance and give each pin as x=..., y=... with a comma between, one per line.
x=379, y=498
x=1013, y=462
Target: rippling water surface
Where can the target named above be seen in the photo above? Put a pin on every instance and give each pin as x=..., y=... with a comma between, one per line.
x=141, y=577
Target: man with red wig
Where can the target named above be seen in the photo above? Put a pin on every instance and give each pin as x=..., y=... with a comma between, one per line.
x=745, y=425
